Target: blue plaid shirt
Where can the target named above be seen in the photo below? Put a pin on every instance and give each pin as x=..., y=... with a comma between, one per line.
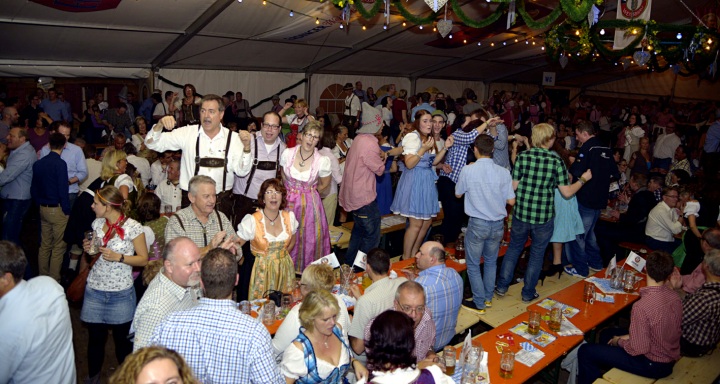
x=456, y=156
x=443, y=294
x=220, y=344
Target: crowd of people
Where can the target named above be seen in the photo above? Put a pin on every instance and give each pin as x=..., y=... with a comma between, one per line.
x=194, y=204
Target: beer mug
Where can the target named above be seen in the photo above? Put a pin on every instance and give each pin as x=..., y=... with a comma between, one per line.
x=449, y=356
x=630, y=282
x=616, y=279
x=533, y=322
x=507, y=363
x=555, y=318
x=244, y=307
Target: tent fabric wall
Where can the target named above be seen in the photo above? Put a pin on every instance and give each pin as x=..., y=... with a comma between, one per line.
x=255, y=86
x=659, y=84
x=32, y=70
x=452, y=88
x=319, y=82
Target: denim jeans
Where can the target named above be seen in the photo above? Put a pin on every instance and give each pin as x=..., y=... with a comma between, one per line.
x=540, y=234
x=594, y=357
x=584, y=251
x=482, y=239
x=365, y=234
x=13, y=213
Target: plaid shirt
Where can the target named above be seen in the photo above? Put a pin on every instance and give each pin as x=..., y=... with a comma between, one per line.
x=220, y=344
x=655, y=325
x=456, y=156
x=539, y=172
x=443, y=294
x=701, y=316
x=424, y=335
x=201, y=234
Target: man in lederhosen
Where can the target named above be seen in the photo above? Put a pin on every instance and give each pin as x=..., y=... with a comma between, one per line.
x=265, y=148
x=207, y=149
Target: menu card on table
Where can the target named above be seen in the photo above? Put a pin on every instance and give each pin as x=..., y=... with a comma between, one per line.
x=542, y=339
x=567, y=311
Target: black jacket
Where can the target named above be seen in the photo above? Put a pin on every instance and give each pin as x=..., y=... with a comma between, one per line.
x=596, y=156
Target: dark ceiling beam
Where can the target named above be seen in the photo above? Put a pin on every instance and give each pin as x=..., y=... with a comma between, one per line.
x=201, y=22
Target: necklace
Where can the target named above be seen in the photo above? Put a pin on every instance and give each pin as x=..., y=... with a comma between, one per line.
x=272, y=222
x=302, y=162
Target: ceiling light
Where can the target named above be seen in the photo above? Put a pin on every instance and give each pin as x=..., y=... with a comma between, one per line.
x=504, y=43
x=577, y=32
x=421, y=27
x=239, y=1
x=317, y=20
x=516, y=40
x=602, y=31
x=479, y=43
x=364, y=28
x=450, y=36
x=492, y=44
x=264, y=2
x=434, y=29
x=404, y=24
x=291, y=13
x=634, y=31
x=341, y=26
x=679, y=36
x=533, y=42
x=709, y=41
x=543, y=47
x=527, y=42
x=465, y=42
x=385, y=27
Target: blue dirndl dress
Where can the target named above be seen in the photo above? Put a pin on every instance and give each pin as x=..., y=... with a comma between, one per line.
x=384, y=185
x=336, y=376
x=416, y=195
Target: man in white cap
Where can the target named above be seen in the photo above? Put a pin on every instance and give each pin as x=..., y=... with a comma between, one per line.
x=358, y=195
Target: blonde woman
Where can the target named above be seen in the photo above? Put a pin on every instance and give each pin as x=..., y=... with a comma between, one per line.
x=153, y=365
x=321, y=352
x=109, y=301
x=114, y=165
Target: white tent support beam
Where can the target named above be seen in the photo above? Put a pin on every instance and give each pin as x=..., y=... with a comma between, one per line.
x=201, y=22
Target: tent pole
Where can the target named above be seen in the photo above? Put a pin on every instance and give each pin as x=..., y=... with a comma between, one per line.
x=413, y=86
x=308, y=77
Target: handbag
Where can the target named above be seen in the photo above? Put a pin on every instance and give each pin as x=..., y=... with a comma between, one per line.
x=76, y=290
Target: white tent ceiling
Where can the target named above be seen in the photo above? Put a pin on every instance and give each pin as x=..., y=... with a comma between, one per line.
x=140, y=35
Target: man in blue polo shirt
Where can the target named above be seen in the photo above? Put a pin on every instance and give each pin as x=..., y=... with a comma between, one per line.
x=54, y=107
x=489, y=188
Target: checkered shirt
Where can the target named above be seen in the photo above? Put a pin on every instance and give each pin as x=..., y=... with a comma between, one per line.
x=539, y=172
x=701, y=315
x=201, y=234
x=456, y=156
x=220, y=344
x=443, y=294
x=424, y=335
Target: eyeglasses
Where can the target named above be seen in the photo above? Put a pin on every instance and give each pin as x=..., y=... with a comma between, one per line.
x=271, y=126
x=313, y=137
x=272, y=193
x=408, y=309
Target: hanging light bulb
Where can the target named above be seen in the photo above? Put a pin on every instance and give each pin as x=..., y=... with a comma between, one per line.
x=679, y=36
x=385, y=27
x=341, y=26
x=527, y=42
x=543, y=47
x=492, y=44
x=450, y=36
x=434, y=29
x=602, y=31
x=634, y=31
x=516, y=40
x=465, y=42
x=421, y=27
x=404, y=24
x=533, y=42
x=364, y=28
x=317, y=20
x=504, y=42
x=709, y=41
x=239, y=1
x=577, y=32
x=264, y=2
x=291, y=13
x=479, y=43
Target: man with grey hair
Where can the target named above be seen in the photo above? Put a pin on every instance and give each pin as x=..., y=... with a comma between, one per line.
x=701, y=311
x=10, y=118
x=201, y=222
x=36, y=332
x=410, y=299
x=208, y=149
x=174, y=288
x=688, y=284
x=443, y=289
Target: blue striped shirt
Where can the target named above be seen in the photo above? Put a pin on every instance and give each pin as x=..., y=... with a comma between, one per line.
x=220, y=344
x=443, y=294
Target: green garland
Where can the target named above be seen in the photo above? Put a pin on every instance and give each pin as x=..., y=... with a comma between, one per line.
x=372, y=12
x=410, y=17
x=537, y=24
x=577, y=10
x=476, y=23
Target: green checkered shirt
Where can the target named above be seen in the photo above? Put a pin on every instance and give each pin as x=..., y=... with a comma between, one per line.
x=539, y=172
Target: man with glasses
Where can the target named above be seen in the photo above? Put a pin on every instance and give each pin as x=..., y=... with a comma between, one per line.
x=664, y=222
x=410, y=299
x=265, y=149
x=443, y=287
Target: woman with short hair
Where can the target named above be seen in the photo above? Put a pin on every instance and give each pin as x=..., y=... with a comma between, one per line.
x=153, y=363
x=321, y=352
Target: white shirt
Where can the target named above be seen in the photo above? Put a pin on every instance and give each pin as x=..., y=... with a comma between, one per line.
x=184, y=139
x=293, y=361
x=335, y=172
x=246, y=228
x=161, y=109
x=352, y=101
x=36, y=334
x=323, y=164
x=169, y=194
x=158, y=172
x=663, y=223
x=666, y=145
x=142, y=166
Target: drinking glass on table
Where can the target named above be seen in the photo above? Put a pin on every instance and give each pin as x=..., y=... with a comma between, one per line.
x=507, y=363
x=268, y=313
x=589, y=293
x=533, y=322
x=555, y=318
x=449, y=356
x=244, y=307
x=471, y=367
x=285, y=303
x=168, y=209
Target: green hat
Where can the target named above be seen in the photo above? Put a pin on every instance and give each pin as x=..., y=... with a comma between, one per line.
x=440, y=113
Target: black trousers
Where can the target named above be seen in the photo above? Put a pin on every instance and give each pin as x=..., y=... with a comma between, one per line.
x=453, y=209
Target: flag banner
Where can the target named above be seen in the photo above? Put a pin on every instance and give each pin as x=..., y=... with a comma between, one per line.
x=636, y=261
x=630, y=10
x=360, y=259
x=330, y=259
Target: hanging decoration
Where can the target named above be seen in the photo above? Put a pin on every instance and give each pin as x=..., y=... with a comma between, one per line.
x=563, y=60
x=444, y=27
x=435, y=5
x=511, y=14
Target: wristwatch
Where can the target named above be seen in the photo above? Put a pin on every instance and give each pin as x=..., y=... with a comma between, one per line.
x=122, y=259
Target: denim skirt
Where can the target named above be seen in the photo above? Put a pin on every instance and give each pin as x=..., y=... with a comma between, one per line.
x=102, y=307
